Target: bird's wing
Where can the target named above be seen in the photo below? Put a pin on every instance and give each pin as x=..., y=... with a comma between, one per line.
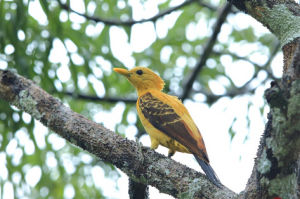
x=167, y=114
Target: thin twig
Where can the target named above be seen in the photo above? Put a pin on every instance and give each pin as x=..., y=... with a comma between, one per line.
x=207, y=5
x=129, y=22
x=215, y=8
x=99, y=99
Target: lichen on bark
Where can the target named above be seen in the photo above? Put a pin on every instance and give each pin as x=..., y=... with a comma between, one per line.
x=277, y=17
x=25, y=102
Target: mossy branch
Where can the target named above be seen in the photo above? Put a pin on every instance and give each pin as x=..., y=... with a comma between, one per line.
x=140, y=163
x=282, y=18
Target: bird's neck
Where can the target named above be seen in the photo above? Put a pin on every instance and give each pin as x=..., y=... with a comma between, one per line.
x=142, y=91
x=149, y=85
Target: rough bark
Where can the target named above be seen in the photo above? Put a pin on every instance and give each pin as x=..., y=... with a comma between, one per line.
x=141, y=164
x=276, y=169
x=138, y=190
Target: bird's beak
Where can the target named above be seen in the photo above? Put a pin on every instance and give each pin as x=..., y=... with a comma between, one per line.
x=122, y=71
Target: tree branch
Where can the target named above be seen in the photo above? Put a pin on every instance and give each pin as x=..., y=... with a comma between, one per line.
x=99, y=99
x=138, y=190
x=282, y=18
x=128, y=22
x=188, y=84
x=140, y=163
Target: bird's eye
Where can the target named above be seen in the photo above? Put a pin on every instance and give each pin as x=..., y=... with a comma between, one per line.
x=139, y=72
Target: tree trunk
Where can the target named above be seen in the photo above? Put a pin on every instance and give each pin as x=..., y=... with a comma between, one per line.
x=276, y=169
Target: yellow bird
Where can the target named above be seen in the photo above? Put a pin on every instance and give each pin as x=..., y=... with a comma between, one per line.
x=166, y=119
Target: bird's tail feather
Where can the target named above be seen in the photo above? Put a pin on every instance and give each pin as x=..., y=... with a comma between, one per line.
x=210, y=173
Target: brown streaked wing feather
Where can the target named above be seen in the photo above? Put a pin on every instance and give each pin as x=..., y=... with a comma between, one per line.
x=164, y=118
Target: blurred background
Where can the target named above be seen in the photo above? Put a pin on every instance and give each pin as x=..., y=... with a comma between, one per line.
x=217, y=60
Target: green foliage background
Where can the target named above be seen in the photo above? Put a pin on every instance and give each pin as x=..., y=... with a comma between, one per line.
x=26, y=45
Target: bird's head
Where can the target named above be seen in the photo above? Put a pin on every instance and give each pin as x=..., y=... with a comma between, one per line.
x=142, y=78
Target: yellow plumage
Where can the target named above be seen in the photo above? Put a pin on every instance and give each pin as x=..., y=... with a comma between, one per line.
x=166, y=119
x=156, y=136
